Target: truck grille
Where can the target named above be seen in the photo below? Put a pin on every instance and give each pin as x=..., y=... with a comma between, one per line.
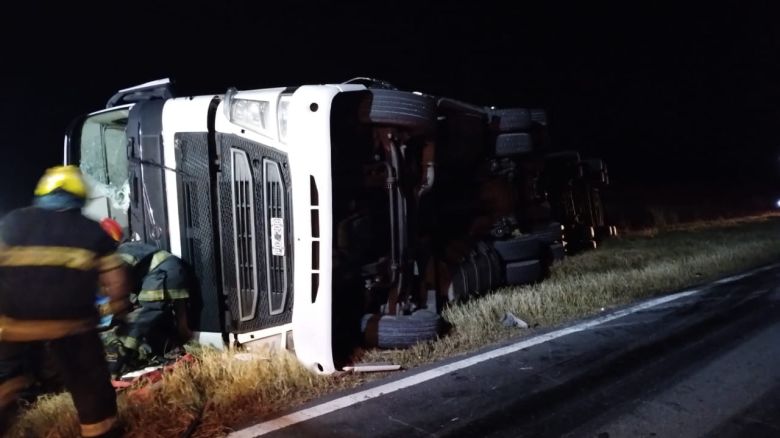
x=244, y=235
x=275, y=224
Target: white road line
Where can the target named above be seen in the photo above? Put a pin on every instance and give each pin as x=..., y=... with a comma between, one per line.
x=746, y=274
x=732, y=278
x=352, y=399
x=349, y=400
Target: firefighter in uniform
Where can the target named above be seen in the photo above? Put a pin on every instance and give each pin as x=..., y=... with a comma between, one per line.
x=52, y=261
x=159, y=284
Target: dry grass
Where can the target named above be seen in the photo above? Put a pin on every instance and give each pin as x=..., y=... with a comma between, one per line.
x=52, y=416
x=220, y=389
x=223, y=389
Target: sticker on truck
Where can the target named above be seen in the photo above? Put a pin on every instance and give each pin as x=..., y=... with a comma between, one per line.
x=277, y=236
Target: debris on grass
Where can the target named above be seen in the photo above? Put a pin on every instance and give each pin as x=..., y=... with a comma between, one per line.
x=372, y=367
x=510, y=320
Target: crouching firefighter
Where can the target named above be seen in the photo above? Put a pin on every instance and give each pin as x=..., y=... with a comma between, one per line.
x=52, y=260
x=157, y=325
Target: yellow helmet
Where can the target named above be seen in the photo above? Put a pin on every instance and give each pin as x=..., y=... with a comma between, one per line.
x=66, y=178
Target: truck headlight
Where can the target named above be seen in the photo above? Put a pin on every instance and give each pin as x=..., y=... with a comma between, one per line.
x=249, y=114
x=281, y=116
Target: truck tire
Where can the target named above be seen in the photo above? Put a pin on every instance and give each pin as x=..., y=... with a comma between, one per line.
x=518, y=143
x=401, y=109
x=471, y=274
x=518, y=248
x=494, y=265
x=526, y=272
x=460, y=282
x=478, y=274
x=511, y=119
x=403, y=331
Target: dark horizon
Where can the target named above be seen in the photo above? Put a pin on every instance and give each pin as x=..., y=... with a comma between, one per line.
x=669, y=97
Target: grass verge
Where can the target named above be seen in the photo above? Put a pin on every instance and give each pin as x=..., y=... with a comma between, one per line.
x=225, y=389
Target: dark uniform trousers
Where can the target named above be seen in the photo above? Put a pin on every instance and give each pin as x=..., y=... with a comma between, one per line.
x=160, y=280
x=77, y=358
x=50, y=262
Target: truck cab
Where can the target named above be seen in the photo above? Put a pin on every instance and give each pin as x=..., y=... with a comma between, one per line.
x=236, y=184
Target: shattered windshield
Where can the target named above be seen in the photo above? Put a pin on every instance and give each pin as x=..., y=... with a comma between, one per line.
x=104, y=164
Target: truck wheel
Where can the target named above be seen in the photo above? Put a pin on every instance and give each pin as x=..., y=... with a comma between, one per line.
x=517, y=143
x=511, y=119
x=460, y=283
x=477, y=275
x=525, y=272
x=471, y=270
x=494, y=266
x=401, y=109
x=519, y=248
x=403, y=331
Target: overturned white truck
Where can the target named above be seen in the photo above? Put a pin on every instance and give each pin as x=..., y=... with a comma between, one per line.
x=323, y=216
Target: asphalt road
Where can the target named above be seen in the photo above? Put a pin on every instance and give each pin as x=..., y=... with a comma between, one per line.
x=705, y=364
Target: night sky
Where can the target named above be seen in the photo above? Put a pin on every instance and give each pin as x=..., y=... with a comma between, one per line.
x=671, y=97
